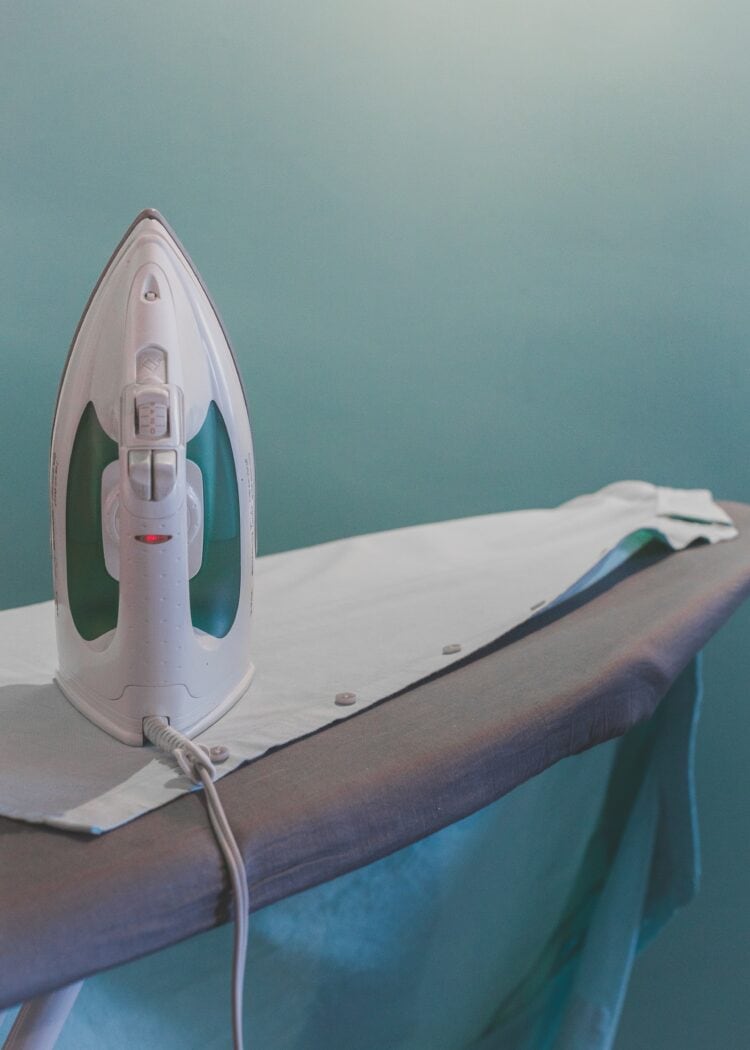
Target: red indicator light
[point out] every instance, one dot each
(153, 537)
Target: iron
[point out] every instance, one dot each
(152, 495)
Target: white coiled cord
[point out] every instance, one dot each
(195, 762)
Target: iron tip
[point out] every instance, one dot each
(150, 213)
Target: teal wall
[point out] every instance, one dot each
(473, 257)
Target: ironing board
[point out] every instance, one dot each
(584, 673)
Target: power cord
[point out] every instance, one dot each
(195, 762)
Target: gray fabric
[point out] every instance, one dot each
(366, 787)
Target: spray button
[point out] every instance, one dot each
(164, 472)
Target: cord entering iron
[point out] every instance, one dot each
(195, 761)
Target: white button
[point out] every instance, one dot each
(151, 366)
(164, 464)
(139, 472)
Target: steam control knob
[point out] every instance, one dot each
(152, 413)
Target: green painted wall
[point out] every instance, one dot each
(473, 257)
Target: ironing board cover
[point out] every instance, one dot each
(339, 800)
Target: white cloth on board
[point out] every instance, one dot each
(369, 615)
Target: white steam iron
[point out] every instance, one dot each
(153, 499)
